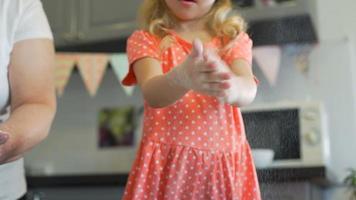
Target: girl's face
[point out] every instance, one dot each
(186, 10)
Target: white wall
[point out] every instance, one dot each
(337, 19)
(329, 80)
(72, 144)
(332, 79)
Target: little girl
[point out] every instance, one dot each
(192, 62)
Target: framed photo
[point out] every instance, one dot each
(117, 127)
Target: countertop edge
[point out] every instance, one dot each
(317, 175)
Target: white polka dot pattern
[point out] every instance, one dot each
(193, 149)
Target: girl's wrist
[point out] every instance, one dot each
(233, 94)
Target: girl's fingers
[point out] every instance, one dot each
(214, 77)
(203, 67)
(213, 65)
(198, 49)
(210, 54)
(225, 85)
(215, 88)
(210, 59)
(206, 56)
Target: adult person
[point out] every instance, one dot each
(27, 97)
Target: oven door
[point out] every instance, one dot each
(275, 129)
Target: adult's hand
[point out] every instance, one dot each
(3, 137)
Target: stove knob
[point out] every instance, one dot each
(311, 137)
(310, 116)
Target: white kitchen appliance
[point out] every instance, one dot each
(296, 131)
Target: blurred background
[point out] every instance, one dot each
(302, 125)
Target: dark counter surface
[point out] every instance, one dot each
(269, 175)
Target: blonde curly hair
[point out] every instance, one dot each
(156, 18)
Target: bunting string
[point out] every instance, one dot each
(92, 66)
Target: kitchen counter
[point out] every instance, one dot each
(316, 175)
(276, 175)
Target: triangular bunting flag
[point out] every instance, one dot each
(120, 66)
(92, 68)
(64, 64)
(268, 58)
(300, 55)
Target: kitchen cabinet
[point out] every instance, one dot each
(87, 22)
(62, 18)
(261, 9)
(106, 19)
(82, 21)
(279, 22)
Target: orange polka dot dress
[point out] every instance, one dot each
(196, 148)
